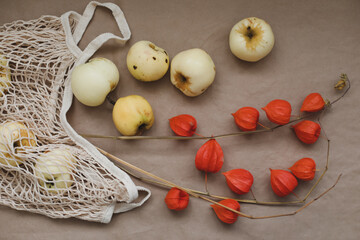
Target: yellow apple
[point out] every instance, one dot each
(14, 138)
(147, 62)
(132, 115)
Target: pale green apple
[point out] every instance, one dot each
(91, 82)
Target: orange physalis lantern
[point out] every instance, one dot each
(282, 182)
(307, 131)
(177, 199)
(313, 103)
(239, 180)
(304, 169)
(246, 118)
(224, 214)
(209, 157)
(278, 111)
(183, 125)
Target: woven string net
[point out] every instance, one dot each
(41, 169)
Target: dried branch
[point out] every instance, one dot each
(168, 183)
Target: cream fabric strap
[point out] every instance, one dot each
(72, 40)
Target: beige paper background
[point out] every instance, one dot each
(315, 42)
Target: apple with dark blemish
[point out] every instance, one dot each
(147, 62)
(192, 71)
(251, 39)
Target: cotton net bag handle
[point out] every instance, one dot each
(72, 41)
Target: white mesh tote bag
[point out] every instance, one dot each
(45, 166)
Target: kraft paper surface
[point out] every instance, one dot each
(315, 41)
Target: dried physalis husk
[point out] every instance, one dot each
(307, 131)
(313, 103)
(210, 157)
(246, 118)
(177, 199)
(282, 182)
(342, 82)
(224, 214)
(278, 111)
(304, 169)
(183, 125)
(239, 180)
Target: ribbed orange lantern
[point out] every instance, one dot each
(304, 169)
(282, 182)
(278, 111)
(183, 125)
(313, 103)
(210, 157)
(224, 214)
(307, 131)
(239, 180)
(177, 199)
(246, 118)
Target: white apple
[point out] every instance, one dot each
(54, 170)
(147, 62)
(14, 137)
(4, 74)
(91, 82)
(251, 39)
(192, 71)
(132, 115)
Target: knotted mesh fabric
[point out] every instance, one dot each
(42, 169)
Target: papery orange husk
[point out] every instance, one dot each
(282, 182)
(278, 111)
(177, 199)
(246, 118)
(210, 157)
(304, 169)
(239, 180)
(307, 131)
(183, 125)
(225, 215)
(313, 103)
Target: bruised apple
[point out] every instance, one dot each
(251, 39)
(192, 71)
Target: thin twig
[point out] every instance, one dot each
(266, 129)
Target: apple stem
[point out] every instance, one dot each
(110, 100)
